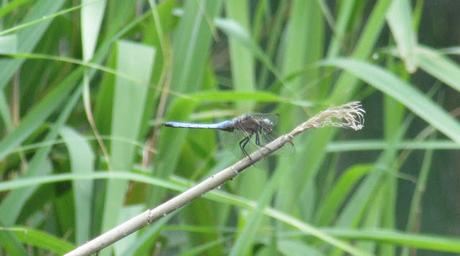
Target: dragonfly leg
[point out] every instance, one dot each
(243, 144)
(257, 139)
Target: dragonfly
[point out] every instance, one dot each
(255, 125)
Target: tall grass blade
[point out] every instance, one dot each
(128, 105)
(402, 92)
(28, 38)
(82, 161)
(400, 19)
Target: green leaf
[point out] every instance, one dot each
(191, 45)
(403, 92)
(11, 6)
(239, 34)
(82, 161)
(13, 203)
(10, 243)
(415, 240)
(399, 18)
(193, 38)
(368, 145)
(340, 192)
(5, 113)
(92, 13)
(38, 114)
(217, 196)
(419, 241)
(241, 58)
(42, 240)
(235, 96)
(439, 66)
(29, 37)
(8, 44)
(297, 248)
(136, 60)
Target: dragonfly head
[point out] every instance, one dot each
(267, 125)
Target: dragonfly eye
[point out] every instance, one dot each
(268, 122)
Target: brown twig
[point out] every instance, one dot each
(350, 115)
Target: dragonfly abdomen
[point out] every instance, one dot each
(225, 125)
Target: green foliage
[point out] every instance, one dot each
(84, 89)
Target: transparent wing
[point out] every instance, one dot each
(247, 142)
(267, 137)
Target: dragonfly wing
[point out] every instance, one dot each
(272, 117)
(249, 135)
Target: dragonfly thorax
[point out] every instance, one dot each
(253, 124)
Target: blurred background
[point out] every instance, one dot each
(85, 86)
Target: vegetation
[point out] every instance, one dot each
(85, 87)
